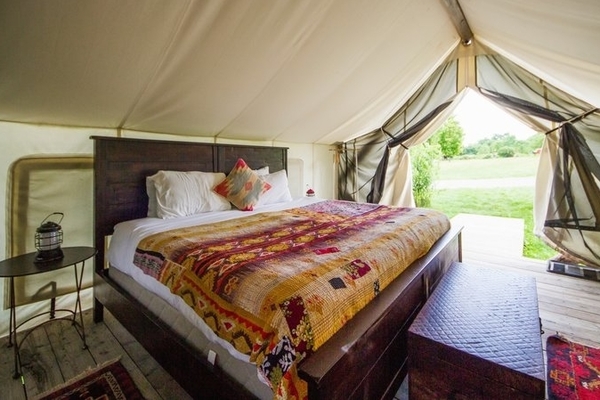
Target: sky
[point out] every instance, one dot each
(480, 119)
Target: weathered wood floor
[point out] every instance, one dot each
(53, 353)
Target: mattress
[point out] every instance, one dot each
(242, 371)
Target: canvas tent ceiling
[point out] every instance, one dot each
(259, 70)
(318, 71)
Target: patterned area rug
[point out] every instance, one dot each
(573, 370)
(107, 382)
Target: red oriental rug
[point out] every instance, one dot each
(573, 370)
(107, 382)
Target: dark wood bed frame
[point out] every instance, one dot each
(366, 359)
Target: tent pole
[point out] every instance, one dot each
(459, 20)
(574, 119)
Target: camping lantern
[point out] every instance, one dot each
(48, 238)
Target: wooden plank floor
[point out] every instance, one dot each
(486, 235)
(52, 354)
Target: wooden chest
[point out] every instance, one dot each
(478, 337)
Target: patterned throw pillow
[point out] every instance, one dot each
(242, 187)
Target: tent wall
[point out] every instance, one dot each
(552, 39)
(377, 164)
(24, 140)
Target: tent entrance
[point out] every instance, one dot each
(376, 167)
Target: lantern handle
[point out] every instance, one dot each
(62, 215)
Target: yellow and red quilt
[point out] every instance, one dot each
(277, 285)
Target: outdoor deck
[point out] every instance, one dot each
(52, 354)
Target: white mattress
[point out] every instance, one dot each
(243, 372)
(128, 234)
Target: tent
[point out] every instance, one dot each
(377, 165)
(314, 75)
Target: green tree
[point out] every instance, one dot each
(505, 140)
(506, 152)
(499, 144)
(425, 167)
(533, 143)
(450, 138)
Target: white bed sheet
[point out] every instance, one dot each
(128, 234)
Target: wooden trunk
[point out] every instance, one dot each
(478, 337)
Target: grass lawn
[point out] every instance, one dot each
(491, 168)
(513, 202)
(499, 202)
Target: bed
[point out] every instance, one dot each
(366, 358)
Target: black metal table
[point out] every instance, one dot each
(26, 265)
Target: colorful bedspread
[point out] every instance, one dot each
(277, 285)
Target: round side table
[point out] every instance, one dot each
(26, 264)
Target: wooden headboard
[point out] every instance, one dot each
(121, 166)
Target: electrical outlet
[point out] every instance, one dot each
(212, 357)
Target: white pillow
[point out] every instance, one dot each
(179, 194)
(262, 171)
(279, 192)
